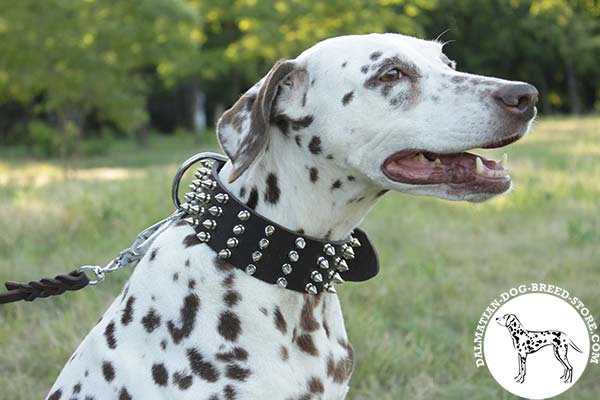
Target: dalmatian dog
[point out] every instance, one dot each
(312, 146)
(528, 342)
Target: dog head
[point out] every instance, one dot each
(389, 108)
(508, 320)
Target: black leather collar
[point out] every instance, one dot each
(266, 250)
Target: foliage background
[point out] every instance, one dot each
(100, 69)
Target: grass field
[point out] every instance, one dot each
(411, 327)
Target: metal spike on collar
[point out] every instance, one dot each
(203, 197)
(192, 221)
(244, 215)
(322, 262)
(208, 184)
(232, 242)
(311, 288)
(329, 249)
(316, 276)
(207, 162)
(216, 211)
(347, 252)
(269, 230)
(329, 288)
(190, 196)
(203, 236)
(263, 243)
(192, 208)
(336, 278)
(282, 282)
(300, 243)
(224, 253)
(256, 256)
(202, 171)
(293, 256)
(341, 264)
(286, 268)
(354, 242)
(222, 198)
(250, 269)
(209, 223)
(238, 229)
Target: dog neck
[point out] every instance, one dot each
(304, 192)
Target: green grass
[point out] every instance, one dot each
(411, 327)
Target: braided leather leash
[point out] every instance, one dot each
(45, 287)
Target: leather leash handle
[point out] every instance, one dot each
(45, 287)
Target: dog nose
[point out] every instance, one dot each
(518, 98)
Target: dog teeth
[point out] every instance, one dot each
(479, 167)
(421, 157)
(437, 161)
(504, 161)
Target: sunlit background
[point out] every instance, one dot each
(100, 100)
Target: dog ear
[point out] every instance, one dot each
(243, 129)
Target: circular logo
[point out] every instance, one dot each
(536, 345)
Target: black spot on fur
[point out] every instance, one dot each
(381, 193)
(153, 254)
(127, 316)
(77, 388)
(315, 145)
(187, 313)
(298, 140)
(151, 321)
(253, 199)
(306, 344)
(229, 326)
(236, 354)
(202, 368)
(303, 122)
(264, 311)
(329, 156)
(223, 265)
(283, 123)
(344, 64)
(242, 191)
(229, 392)
(124, 394)
(364, 69)
(191, 240)
(237, 373)
(187, 263)
(280, 322)
(336, 185)
(300, 231)
(109, 335)
(375, 55)
(231, 298)
(228, 281)
(314, 174)
(108, 371)
(351, 178)
(163, 344)
(272, 193)
(192, 284)
(182, 380)
(160, 374)
(56, 395)
(175, 276)
(347, 98)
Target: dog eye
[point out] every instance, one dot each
(391, 75)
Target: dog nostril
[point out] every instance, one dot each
(519, 98)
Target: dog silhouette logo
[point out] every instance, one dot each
(536, 345)
(528, 342)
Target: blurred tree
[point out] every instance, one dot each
(74, 58)
(244, 37)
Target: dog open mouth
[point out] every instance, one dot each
(463, 171)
